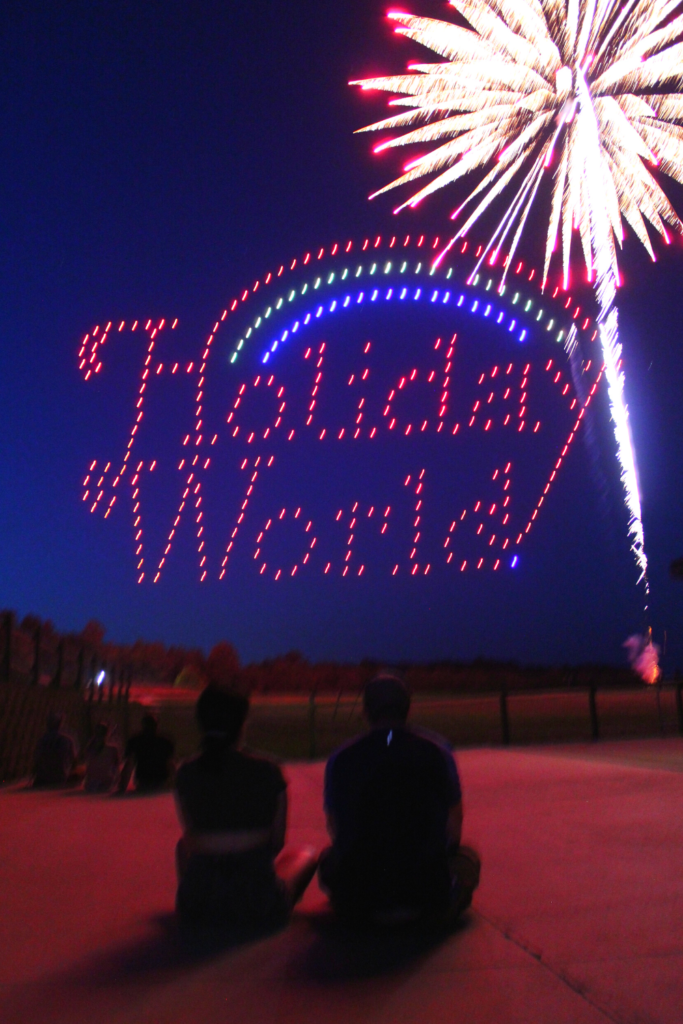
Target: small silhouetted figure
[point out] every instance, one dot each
(102, 760)
(232, 868)
(55, 755)
(150, 755)
(394, 814)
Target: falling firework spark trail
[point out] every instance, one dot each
(591, 87)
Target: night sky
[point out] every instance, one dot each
(156, 160)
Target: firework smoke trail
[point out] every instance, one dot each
(597, 81)
(643, 656)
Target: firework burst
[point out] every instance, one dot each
(584, 90)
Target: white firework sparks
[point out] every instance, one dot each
(587, 88)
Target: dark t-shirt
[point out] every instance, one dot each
(389, 794)
(152, 755)
(231, 791)
(54, 758)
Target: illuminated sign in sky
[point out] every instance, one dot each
(355, 412)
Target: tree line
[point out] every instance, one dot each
(32, 650)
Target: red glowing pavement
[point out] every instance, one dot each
(579, 917)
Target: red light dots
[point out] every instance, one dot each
(100, 490)
(309, 541)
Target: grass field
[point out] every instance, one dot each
(293, 728)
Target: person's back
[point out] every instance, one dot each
(151, 755)
(55, 755)
(232, 868)
(223, 789)
(391, 794)
(394, 810)
(101, 761)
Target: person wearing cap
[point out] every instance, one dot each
(232, 865)
(394, 813)
(151, 756)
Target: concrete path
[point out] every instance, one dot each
(579, 917)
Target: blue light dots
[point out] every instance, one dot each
(482, 309)
(387, 268)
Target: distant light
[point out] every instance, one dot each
(514, 561)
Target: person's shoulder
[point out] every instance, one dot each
(355, 756)
(431, 747)
(188, 768)
(349, 750)
(437, 750)
(434, 738)
(258, 764)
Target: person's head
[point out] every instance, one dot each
(149, 722)
(101, 731)
(386, 699)
(222, 713)
(54, 721)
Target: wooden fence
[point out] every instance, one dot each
(42, 672)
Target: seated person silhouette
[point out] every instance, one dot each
(55, 755)
(102, 760)
(150, 755)
(394, 812)
(232, 868)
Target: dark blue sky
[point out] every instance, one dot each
(157, 159)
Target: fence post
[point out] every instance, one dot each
(592, 704)
(126, 679)
(78, 684)
(7, 654)
(311, 725)
(57, 677)
(37, 639)
(504, 717)
(336, 704)
(91, 679)
(679, 705)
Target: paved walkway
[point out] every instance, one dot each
(579, 917)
